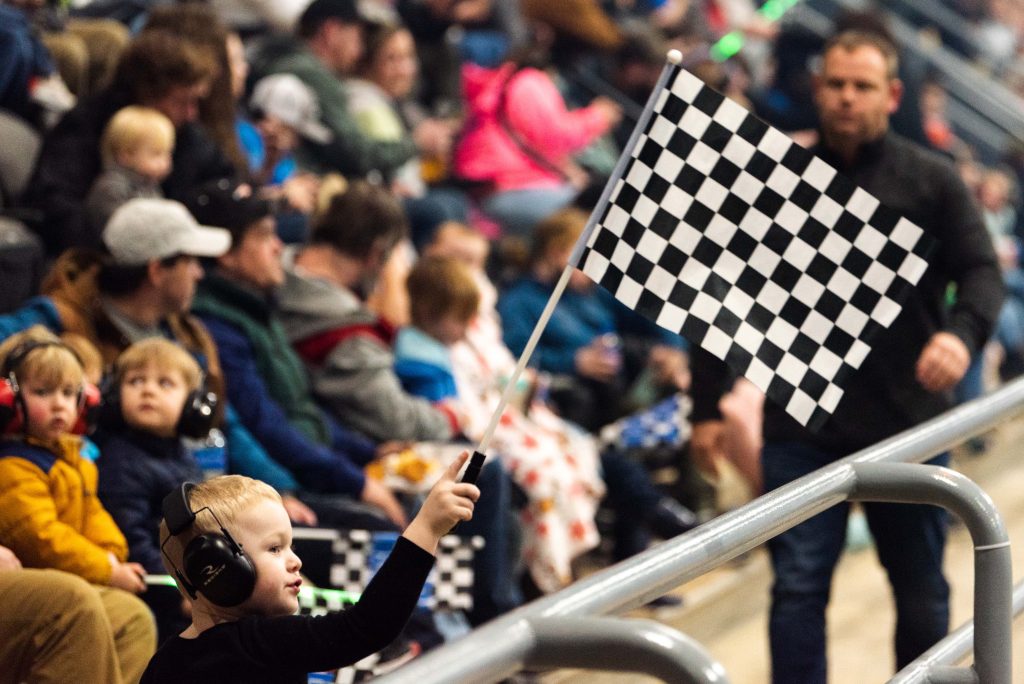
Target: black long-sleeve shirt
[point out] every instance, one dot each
(284, 649)
(883, 397)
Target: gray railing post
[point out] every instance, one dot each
(993, 571)
(622, 645)
(929, 667)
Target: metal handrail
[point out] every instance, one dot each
(944, 19)
(950, 650)
(497, 650)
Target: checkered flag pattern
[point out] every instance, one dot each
(358, 554)
(667, 423)
(723, 229)
(452, 576)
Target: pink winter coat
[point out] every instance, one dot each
(534, 108)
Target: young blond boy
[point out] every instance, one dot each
(259, 639)
(143, 456)
(50, 516)
(443, 300)
(136, 150)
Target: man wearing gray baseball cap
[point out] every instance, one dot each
(142, 288)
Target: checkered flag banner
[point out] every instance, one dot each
(720, 228)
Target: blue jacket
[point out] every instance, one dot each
(424, 365)
(317, 467)
(577, 320)
(22, 58)
(36, 311)
(137, 470)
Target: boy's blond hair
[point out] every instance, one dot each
(227, 496)
(162, 354)
(130, 128)
(441, 286)
(51, 364)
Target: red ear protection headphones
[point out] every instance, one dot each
(12, 404)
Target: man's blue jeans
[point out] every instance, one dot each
(909, 540)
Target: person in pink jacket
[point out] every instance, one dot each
(519, 140)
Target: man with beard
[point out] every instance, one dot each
(905, 380)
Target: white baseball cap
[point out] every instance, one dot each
(286, 97)
(143, 229)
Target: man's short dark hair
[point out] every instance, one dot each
(117, 280)
(320, 11)
(852, 39)
(360, 218)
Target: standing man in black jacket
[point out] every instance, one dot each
(905, 380)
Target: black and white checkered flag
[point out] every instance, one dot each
(721, 228)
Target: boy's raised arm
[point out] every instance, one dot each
(448, 502)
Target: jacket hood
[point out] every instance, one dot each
(482, 87)
(308, 305)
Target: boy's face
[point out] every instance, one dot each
(152, 399)
(265, 532)
(153, 162)
(52, 409)
(448, 329)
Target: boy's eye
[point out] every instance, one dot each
(276, 548)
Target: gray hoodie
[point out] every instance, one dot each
(348, 353)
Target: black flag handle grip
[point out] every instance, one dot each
(476, 463)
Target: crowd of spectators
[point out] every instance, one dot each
(350, 216)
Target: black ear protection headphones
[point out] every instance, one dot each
(13, 411)
(197, 416)
(213, 564)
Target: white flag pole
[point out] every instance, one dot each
(673, 59)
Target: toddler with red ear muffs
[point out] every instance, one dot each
(50, 515)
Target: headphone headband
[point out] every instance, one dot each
(12, 362)
(177, 512)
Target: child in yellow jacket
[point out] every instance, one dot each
(49, 513)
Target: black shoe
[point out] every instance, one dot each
(670, 518)
(666, 601)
